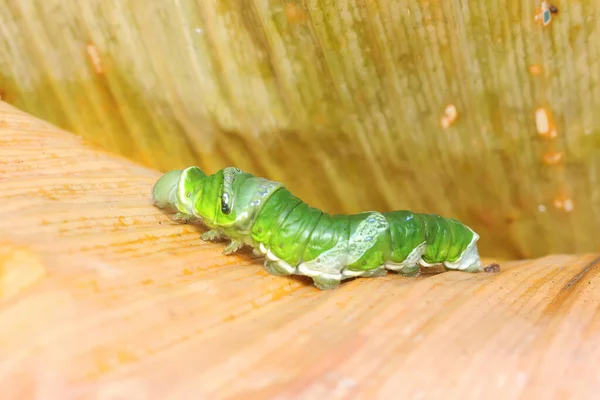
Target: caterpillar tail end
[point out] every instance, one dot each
(469, 261)
(164, 190)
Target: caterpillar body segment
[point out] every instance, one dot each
(296, 238)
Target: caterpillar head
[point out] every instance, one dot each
(230, 198)
(176, 190)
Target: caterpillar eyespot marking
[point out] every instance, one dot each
(225, 209)
(297, 239)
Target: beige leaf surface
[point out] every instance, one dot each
(102, 296)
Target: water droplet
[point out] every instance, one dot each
(94, 56)
(451, 111)
(553, 157)
(542, 121)
(565, 203)
(568, 205)
(535, 69)
(449, 117)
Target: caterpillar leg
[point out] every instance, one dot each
(212, 235)
(410, 271)
(375, 273)
(326, 275)
(257, 253)
(232, 247)
(183, 217)
(409, 267)
(278, 268)
(327, 281)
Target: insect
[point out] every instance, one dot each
(296, 238)
(547, 10)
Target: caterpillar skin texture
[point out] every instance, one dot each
(298, 239)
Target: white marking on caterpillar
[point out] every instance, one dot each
(330, 261)
(242, 215)
(336, 277)
(411, 260)
(348, 273)
(286, 267)
(305, 270)
(334, 261)
(362, 240)
(272, 256)
(468, 259)
(262, 248)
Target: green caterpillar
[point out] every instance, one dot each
(302, 240)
